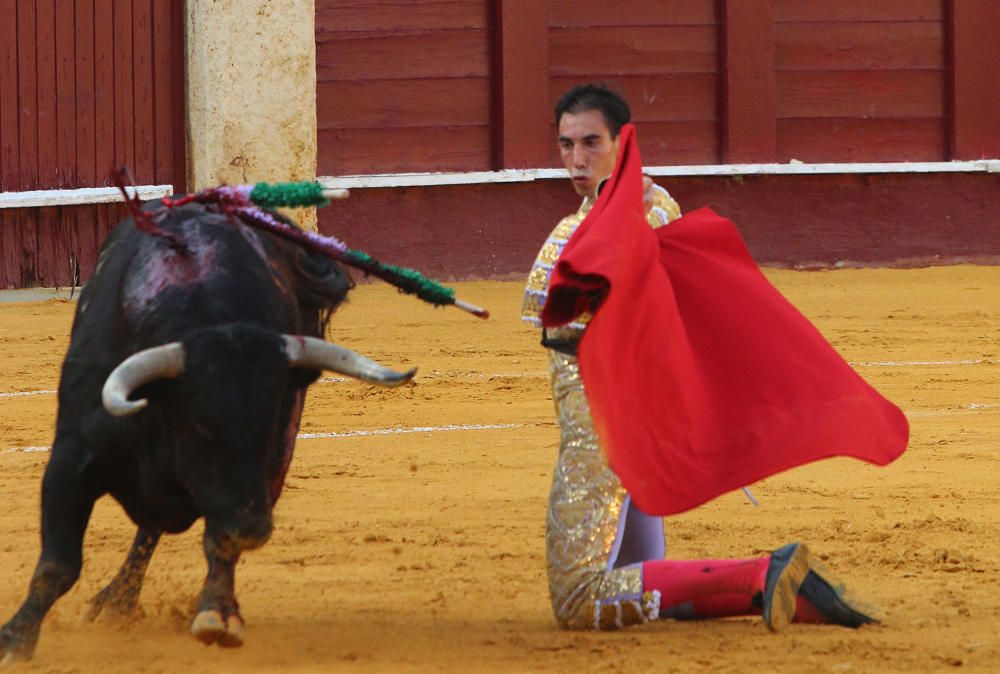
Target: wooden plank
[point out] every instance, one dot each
(178, 86)
(86, 120)
(124, 85)
(45, 55)
(27, 94)
(163, 99)
(71, 254)
(87, 241)
(672, 97)
(609, 51)
(435, 148)
(392, 15)
(859, 93)
(858, 10)
(142, 65)
(573, 13)
(27, 229)
(403, 103)
(9, 101)
(104, 90)
(66, 115)
(10, 252)
(47, 234)
(522, 83)
(749, 89)
(861, 140)
(79, 195)
(168, 95)
(107, 218)
(64, 225)
(367, 56)
(859, 46)
(975, 82)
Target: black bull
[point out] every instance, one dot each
(226, 319)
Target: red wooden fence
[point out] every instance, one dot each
(711, 81)
(85, 86)
(408, 85)
(404, 86)
(861, 81)
(664, 57)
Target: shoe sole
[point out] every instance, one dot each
(869, 612)
(786, 590)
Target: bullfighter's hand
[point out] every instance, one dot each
(647, 193)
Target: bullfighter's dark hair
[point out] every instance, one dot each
(595, 96)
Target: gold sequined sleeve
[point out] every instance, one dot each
(664, 208)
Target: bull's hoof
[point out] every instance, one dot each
(11, 657)
(14, 648)
(210, 627)
(114, 604)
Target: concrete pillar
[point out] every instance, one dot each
(251, 73)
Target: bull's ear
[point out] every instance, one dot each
(142, 367)
(318, 354)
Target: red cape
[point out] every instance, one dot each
(701, 377)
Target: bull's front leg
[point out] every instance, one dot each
(218, 620)
(121, 596)
(67, 501)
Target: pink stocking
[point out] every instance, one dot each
(705, 588)
(697, 589)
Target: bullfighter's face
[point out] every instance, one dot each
(587, 149)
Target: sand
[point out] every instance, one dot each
(413, 539)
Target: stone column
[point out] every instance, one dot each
(251, 74)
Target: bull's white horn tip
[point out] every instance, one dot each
(123, 408)
(400, 378)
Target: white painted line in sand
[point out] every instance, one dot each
(969, 408)
(530, 375)
(355, 434)
(414, 429)
(922, 363)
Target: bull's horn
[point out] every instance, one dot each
(322, 355)
(142, 367)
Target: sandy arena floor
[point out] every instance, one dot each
(410, 537)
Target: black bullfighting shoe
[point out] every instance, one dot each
(788, 568)
(830, 597)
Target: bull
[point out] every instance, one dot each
(216, 330)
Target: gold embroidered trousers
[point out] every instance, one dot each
(586, 522)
